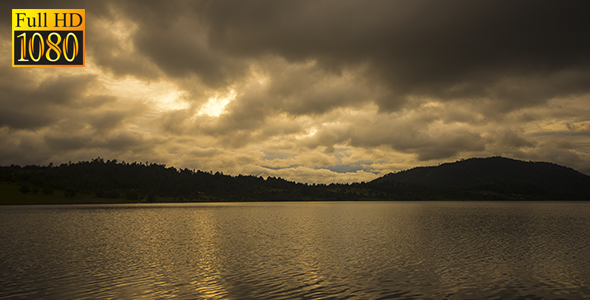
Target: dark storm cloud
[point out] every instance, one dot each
(455, 49)
(26, 105)
(515, 53)
(170, 35)
(110, 52)
(443, 49)
(328, 83)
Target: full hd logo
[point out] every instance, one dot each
(48, 37)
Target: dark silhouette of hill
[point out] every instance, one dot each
(494, 178)
(156, 182)
(497, 173)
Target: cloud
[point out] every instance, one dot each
(111, 47)
(447, 50)
(28, 104)
(312, 91)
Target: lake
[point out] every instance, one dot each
(310, 250)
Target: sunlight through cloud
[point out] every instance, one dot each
(216, 106)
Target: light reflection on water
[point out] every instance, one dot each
(343, 250)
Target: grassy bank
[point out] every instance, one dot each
(10, 195)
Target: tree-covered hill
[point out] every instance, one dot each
(98, 180)
(156, 182)
(496, 173)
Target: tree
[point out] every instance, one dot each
(70, 192)
(47, 191)
(151, 198)
(24, 189)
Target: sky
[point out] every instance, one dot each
(309, 91)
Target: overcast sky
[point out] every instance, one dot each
(311, 91)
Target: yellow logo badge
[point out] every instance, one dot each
(48, 37)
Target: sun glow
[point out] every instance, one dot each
(216, 106)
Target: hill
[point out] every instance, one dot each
(496, 173)
(112, 181)
(100, 181)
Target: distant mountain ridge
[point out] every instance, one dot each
(480, 172)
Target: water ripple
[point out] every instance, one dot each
(393, 250)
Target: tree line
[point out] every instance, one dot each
(152, 182)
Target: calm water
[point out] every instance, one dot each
(377, 250)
